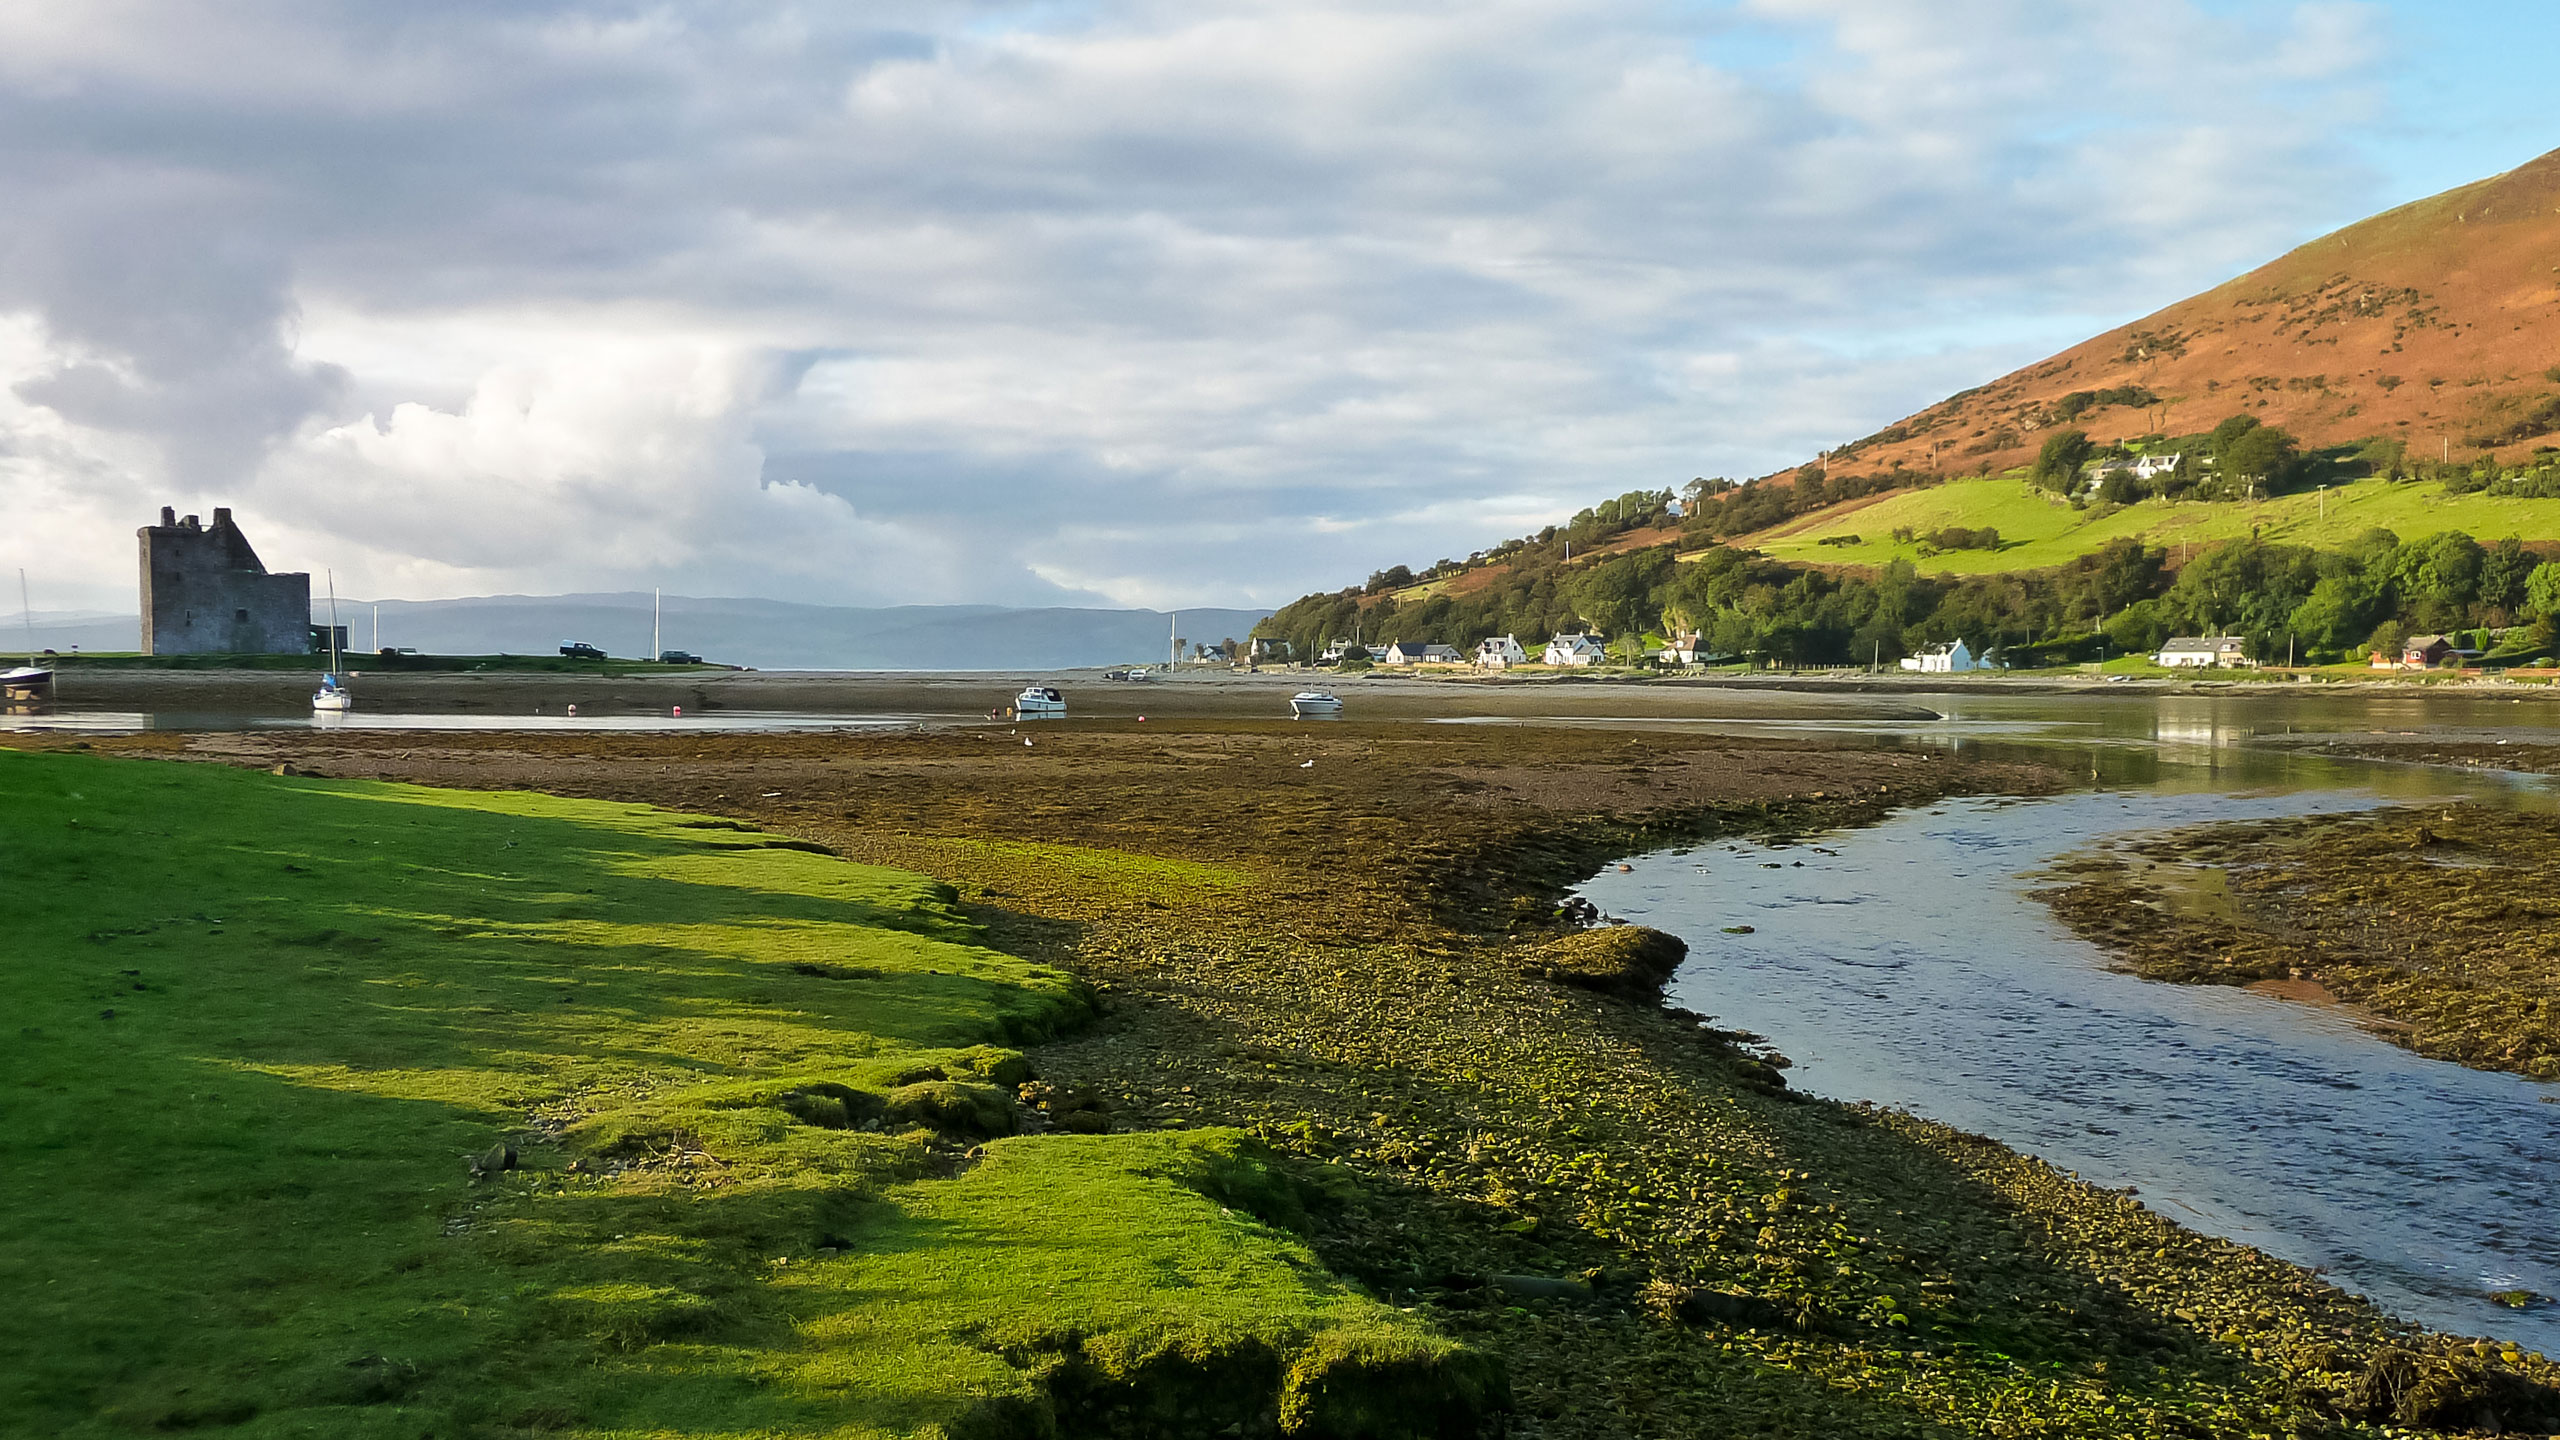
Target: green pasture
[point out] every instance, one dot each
(2038, 529)
(259, 1028)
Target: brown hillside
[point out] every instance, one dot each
(2437, 323)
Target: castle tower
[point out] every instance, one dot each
(204, 592)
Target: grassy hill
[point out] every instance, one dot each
(2039, 529)
(2436, 324)
(358, 1109)
(2410, 361)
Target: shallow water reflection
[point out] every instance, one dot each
(1908, 964)
(127, 722)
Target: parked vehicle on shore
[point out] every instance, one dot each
(580, 650)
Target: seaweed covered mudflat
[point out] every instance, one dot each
(2441, 920)
(1344, 943)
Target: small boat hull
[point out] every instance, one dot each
(1040, 702)
(1315, 705)
(27, 682)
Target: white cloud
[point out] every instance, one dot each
(1201, 303)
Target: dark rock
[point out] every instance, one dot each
(1630, 960)
(499, 1157)
(1699, 1306)
(831, 1106)
(1540, 1287)
(1074, 1109)
(954, 1107)
(2451, 1392)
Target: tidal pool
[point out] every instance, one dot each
(1909, 964)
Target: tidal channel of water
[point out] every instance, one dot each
(1909, 964)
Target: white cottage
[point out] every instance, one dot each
(1500, 652)
(1416, 652)
(2140, 467)
(1574, 650)
(1950, 658)
(2202, 652)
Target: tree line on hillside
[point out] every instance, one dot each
(2125, 598)
(1535, 585)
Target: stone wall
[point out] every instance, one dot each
(205, 592)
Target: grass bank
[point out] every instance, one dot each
(365, 1109)
(1342, 939)
(2039, 529)
(2439, 920)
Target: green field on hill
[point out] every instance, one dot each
(266, 1032)
(2038, 529)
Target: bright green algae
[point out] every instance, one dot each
(260, 1027)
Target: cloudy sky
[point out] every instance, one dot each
(1145, 303)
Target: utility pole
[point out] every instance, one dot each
(1173, 645)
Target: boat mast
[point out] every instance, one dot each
(654, 651)
(26, 612)
(1173, 641)
(333, 622)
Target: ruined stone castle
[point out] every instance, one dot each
(204, 592)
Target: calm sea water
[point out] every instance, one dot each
(1908, 963)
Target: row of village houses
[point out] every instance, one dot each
(2211, 652)
(1501, 652)
(2223, 652)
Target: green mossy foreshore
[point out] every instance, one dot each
(1480, 1138)
(355, 1109)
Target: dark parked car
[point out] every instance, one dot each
(678, 657)
(581, 650)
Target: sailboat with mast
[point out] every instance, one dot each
(31, 681)
(332, 698)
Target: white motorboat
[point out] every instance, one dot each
(332, 698)
(1315, 704)
(1040, 702)
(1140, 674)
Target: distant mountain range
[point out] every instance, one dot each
(764, 634)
